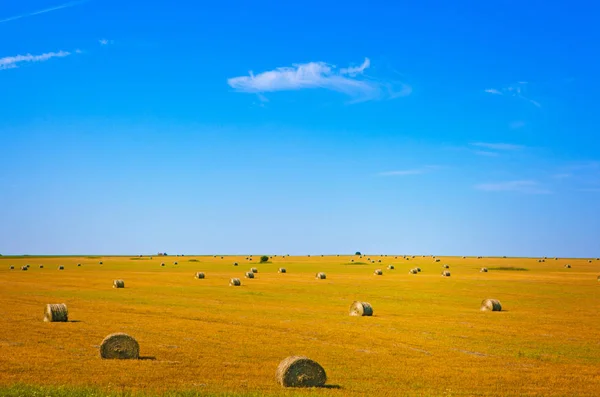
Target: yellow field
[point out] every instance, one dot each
(427, 335)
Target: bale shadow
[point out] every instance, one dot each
(150, 358)
(74, 321)
(330, 387)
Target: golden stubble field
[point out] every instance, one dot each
(427, 336)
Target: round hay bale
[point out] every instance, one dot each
(56, 312)
(352, 260)
(437, 260)
(175, 263)
(445, 273)
(235, 282)
(590, 261)
(446, 267)
(568, 266)
(361, 309)
(413, 271)
(249, 275)
(61, 267)
(100, 262)
(391, 267)
(379, 261)
(464, 257)
(79, 265)
(162, 264)
(199, 275)
(297, 371)
(235, 263)
(282, 270)
(418, 269)
(24, 268)
(492, 305)
(12, 268)
(118, 284)
(119, 346)
(378, 272)
(321, 276)
(254, 270)
(372, 261)
(484, 270)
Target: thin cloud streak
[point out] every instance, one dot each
(45, 10)
(524, 186)
(349, 81)
(514, 90)
(498, 146)
(14, 61)
(414, 171)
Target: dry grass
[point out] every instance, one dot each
(215, 339)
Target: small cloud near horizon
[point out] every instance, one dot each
(498, 146)
(521, 186)
(350, 81)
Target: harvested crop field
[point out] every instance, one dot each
(427, 335)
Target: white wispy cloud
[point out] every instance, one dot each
(45, 10)
(523, 186)
(350, 81)
(498, 146)
(516, 90)
(13, 62)
(562, 175)
(105, 42)
(485, 153)
(414, 171)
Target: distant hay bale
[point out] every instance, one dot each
(282, 270)
(378, 272)
(484, 270)
(235, 263)
(373, 261)
(464, 257)
(407, 259)
(175, 263)
(199, 275)
(446, 267)
(590, 261)
(12, 268)
(361, 309)
(118, 284)
(100, 262)
(418, 269)
(379, 261)
(445, 273)
(61, 267)
(235, 282)
(24, 268)
(321, 276)
(79, 265)
(249, 275)
(119, 346)
(492, 305)
(413, 271)
(297, 371)
(568, 266)
(437, 260)
(254, 270)
(56, 312)
(352, 260)
(391, 267)
(162, 264)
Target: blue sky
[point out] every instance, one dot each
(463, 128)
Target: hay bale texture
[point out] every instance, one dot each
(446, 267)
(418, 269)
(56, 312)
(254, 270)
(492, 305)
(24, 268)
(12, 268)
(378, 272)
(445, 273)
(118, 284)
(119, 346)
(162, 264)
(235, 282)
(321, 276)
(41, 266)
(484, 270)
(361, 309)
(412, 271)
(282, 270)
(249, 275)
(199, 275)
(297, 371)
(391, 267)
(61, 267)
(567, 266)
